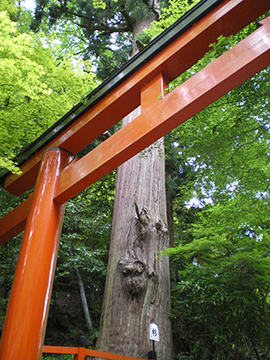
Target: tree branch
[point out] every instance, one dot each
(79, 15)
(254, 348)
(130, 22)
(152, 7)
(105, 29)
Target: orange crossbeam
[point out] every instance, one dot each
(87, 352)
(14, 222)
(60, 350)
(59, 180)
(110, 356)
(223, 74)
(230, 17)
(226, 72)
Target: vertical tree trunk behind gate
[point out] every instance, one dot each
(137, 290)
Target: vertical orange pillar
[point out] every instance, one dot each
(26, 317)
(81, 354)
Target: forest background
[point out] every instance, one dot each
(217, 178)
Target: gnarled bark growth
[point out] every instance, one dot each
(137, 288)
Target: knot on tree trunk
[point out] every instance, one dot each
(137, 264)
(134, 274)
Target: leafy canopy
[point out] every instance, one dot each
(36, 88)
(101, 30)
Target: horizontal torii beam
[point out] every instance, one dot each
(228, 18)
(223, 74)
(14, 222)
(215, 80)
(86, 352)
(61, 176)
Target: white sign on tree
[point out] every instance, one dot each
(154, 333)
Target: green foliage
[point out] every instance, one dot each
(97, 29)
(221, 297)
(229, 153)
(10, 7)
(9, 253)
(36, 89)
(220, 316)
(218, 161)
(169, 15)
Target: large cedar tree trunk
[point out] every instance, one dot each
(137, 290)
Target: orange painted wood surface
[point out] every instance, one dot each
(226, 72)
(26, 317)
(87, 352)
(14, 222)
(230, 17)
(59, 349)
(105, 355)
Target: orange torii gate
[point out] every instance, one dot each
(58, 175)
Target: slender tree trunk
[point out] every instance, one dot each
(137, 290)
(84, 301)
(169, 200)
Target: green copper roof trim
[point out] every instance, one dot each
(155, 46)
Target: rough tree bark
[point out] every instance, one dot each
(137, 290)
